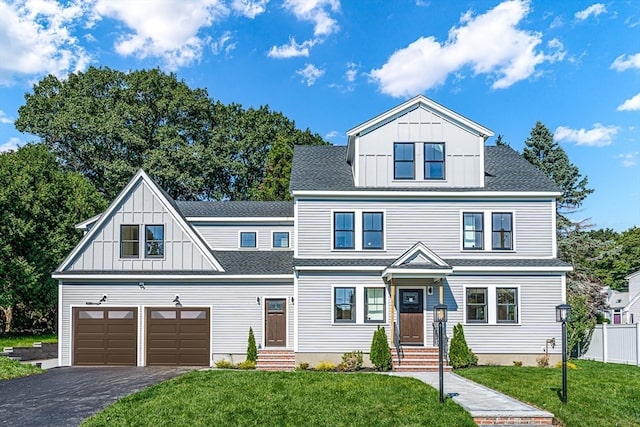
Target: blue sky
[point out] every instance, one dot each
(330, 65)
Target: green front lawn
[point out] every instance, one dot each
(242, 398)
(26, 340)
(12, 369)
(599, 394)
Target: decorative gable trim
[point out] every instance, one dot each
(140, 176)
(419, 261)
(416, 102)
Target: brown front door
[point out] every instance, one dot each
(411, 316)
(275, 320)
(105, 336)
(178, 336)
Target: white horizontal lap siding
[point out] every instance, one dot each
(537, 298)
(316, 330)
(141, 208)
(227, 236)
(435, 223)
(233, 308)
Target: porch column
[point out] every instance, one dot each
(441, 291)
(393, 311)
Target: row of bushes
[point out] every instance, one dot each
(460, 355)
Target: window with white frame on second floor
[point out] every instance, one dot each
(343, 230)
(154, 241)
(248, 239)
(280, 239)
(473, 231)
(501, 231)
(403, 160)
(433, 160)
(372, 233)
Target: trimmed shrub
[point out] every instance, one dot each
(325, 366)
(252, 350)
(517, 363)
(247, 364)
(303, 366)
(570, 365)
(225, 364)
(380, 354)
(460, 355)
(351, 361)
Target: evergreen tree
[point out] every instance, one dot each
(252, 350)
(547, 155)
(500, 142)
(380, 353)
(460, 355)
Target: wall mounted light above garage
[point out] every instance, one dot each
(176, 301)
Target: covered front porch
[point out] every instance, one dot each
(416, 283)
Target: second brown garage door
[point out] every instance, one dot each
(178, 336)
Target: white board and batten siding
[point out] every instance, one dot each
(227, 236)
(234, 309)
(436, 223)
(141, 208)
(463, 151)
(537, 297)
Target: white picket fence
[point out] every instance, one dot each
(615, 344)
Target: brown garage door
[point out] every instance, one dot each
(178, 336)
(105, 336)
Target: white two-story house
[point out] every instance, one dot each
(415, 211)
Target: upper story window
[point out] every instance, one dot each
(129, 241)
(344, 305)
(434, 160)
(248, 239)
(501, 231)
(280, 239)
(473, 230)
(476, 305)
(343, 230)
(403, 160)
(507, 305)
(372, 233)
(154, 241)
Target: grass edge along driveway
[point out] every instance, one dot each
(12, 369)
(599, 394)
(239, 398)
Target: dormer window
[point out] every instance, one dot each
(434, 160)
(403, 160)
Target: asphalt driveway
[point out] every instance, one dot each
(63, 397)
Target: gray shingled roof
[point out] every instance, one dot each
(256, 262)
(229, 209)
(454, 262)
(324, 168)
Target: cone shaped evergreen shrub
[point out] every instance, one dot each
(460, 355)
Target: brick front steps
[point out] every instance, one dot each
(276, 360)
(417, 359)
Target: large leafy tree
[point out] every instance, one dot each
(106, 124)
(40, 203)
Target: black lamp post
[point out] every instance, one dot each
(562, 315)
(440, 316)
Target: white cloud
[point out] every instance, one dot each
(332, 134)
(310, 73)
(163, 28)
(316, 11)
(631, 104)
(423, 3)
(36, 39)
(556, 23)
(352, 72)
(625, 62)
(490, 44)
(4, 119)
(292, 49)
(249, 8)
(629, 159)
(599, 136)
(593, 10)
(11, 145)
(222, 44)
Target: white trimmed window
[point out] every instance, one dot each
(492, 305)
(473, 231)
(129, 241)
(154, 241)
(477, 305)
(280, 239)
(487, 231)
(248, 239)
(507, 305)
(374, 305)
(344, 305)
